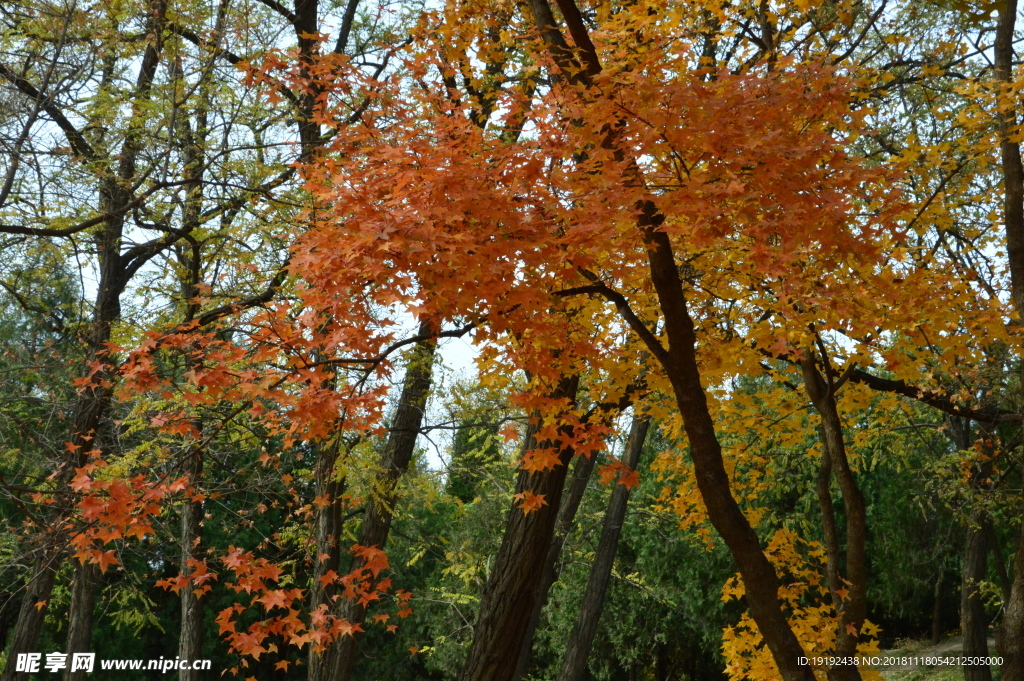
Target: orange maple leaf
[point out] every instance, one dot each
(530, 502)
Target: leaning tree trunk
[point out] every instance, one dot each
(577, 650)
(513, 587)
(397, 455)
(1013, 218)
(679, 361)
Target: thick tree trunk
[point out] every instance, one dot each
(973, 622)
(32, 613)
(84, 587)
(513, 587)
(575, 490)
(853, 608)
(397, 455)
(1013, 218)
(1013, 619)
(574, 662)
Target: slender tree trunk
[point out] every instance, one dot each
(581, 473)
(513, 587)
(190, 638)
(973, 622)
(397, 455)
(940, 584)
(853, 608)
(93, 401)
(577, 651)
(1013, 218)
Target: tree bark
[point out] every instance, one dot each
(328, 550)
(940, 584)
(679, 360)
(581, 473)
(32, 613)
(1013, 618)
(190, 637)
(394, 462)
(973, 622)
(513, 587)
(577, 651)
(80, 616)
(1013, 219)
(853, 608)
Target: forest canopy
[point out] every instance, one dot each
(511, 341)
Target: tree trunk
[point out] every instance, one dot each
(397, 455)
(1013, 618)
(680, 363)
(93, 400)
(1013, 218)
(581, 473)
(940, 584)
(577, 651)
(827, 509)
(190, 638)
(974, 623)
(80, 616)
(853, 608)
(328, 551)
(513, 587)
(32, 613)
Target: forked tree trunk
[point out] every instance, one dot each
(577, 486)
(93, 402)
(852, 608)
(577, 650)
(394, 462)
(513, 587)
